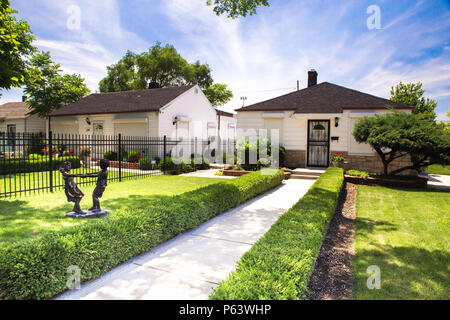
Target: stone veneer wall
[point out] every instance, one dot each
(373, 164)
(368, 163)
(295, 158)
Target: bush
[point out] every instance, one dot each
(146, 164)
(35, 164)
(247, 148)
(37, 268)
(133, 157)
(357, 173)
(279, 265)
(110, 155)
(200, 164)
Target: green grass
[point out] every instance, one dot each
(27, 217)
(38, 180)
(438, 169)
(143, 215)
(279, 265)
(407, 234)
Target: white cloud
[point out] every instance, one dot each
(271, 50)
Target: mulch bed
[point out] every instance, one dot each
(235, 173)
(333, 275)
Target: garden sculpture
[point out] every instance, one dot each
(74, 194)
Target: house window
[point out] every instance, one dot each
(11, 129)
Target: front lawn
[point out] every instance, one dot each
(406, 233)
(438, 169)
(144, 213)
(27, 217)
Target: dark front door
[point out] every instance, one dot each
(318, 143)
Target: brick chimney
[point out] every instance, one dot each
(312, 78)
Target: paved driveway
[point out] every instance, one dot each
(191, 265)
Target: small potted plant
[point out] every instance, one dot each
(338, 160)
(85, 155)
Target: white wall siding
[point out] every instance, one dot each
(194, 107)
(294, 128)
(295, 132)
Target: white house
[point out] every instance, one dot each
(174, 112)
(316, 122)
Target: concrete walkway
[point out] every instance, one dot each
(439, 182)
(210, 173)
(191, 265)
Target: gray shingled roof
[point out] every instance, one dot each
(123, 102)
(324, 98)
(14, 110)
(224, 113)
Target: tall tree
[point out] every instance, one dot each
(121, 76)
(236, 8)
(16, 39)
(218, 94)
(48, 89)
(165, 66)
(412, 94)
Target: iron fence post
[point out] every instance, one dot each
(164, 154)
(195, 153)
(50, 159)
(120, 156)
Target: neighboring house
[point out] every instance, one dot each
(175, 112)
(15, 118)
(317, 122)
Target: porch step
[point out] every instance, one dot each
(303, 177)
(308, 172)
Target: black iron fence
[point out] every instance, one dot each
(29, 162)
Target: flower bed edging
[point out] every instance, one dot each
(386, 182)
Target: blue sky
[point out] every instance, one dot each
(262, 56)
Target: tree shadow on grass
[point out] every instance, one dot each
(367, 225)
(406, 273)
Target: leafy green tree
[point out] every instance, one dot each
(412, 95)
(48, 89)
(121, 76)
(165, 66)
(218, 94)
(398, 134)
(16, 39)
(236, 8)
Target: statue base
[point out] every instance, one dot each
(87, 214)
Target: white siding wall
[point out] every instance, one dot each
(192, 104)
(30, 124)
(227, 132)
(78, 124)
(19, 123)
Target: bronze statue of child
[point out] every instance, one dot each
(102, 182)
(73, 193)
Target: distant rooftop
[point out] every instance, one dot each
(123, 101)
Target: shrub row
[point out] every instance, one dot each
(279, 265)
(25, 165)
(37, 268)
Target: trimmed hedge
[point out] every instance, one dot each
(13, 166)
(36, 269)
(279, 265)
